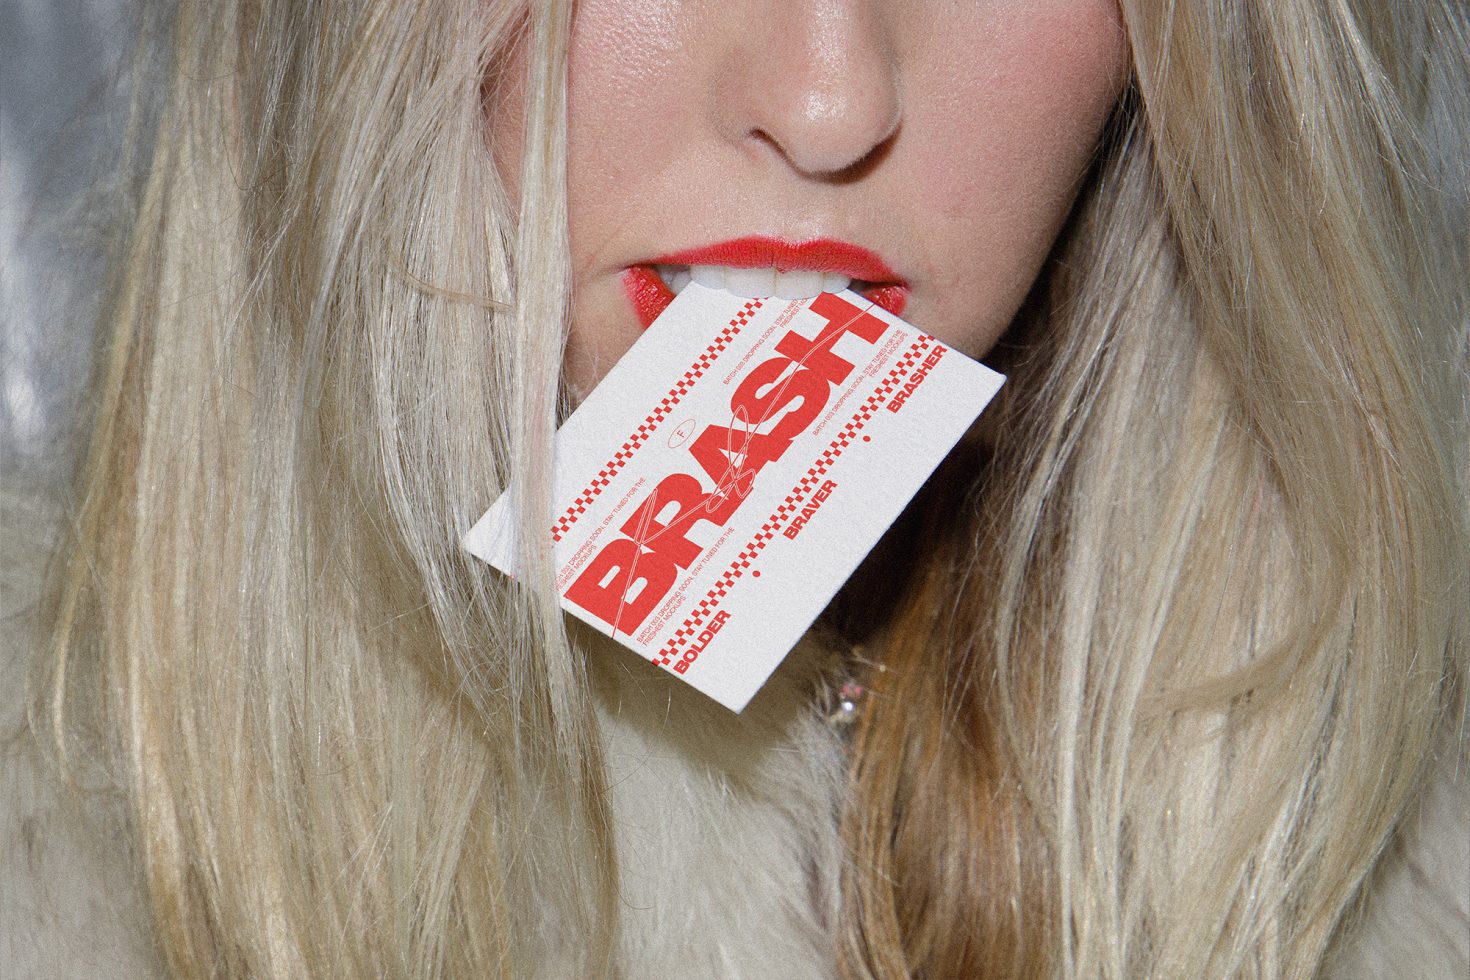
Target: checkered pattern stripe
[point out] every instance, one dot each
(814, 474)
(645, 428)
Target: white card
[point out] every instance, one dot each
(734, 467)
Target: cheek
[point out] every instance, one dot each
(628, 89)
(622, 81)
(1019, 107)
(1014, 119)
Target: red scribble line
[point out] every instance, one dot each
(722, 489)
(650, 422)
(814, 472)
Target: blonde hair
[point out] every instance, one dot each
(1186, 698)
(1172, 714)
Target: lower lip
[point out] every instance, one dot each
(650, 295)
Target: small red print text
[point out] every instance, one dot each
(772, 405)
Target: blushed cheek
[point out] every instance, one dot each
(1025, 111)
(1016, 119)
(625, 67)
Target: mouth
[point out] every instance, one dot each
(759, 267)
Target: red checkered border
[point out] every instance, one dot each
(818, 469)
(651, 422)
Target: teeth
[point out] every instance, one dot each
(676, 277)
(712, 276)
(798, 284)
(754, 283)
(751, 282)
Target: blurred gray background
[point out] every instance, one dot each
(62, 102)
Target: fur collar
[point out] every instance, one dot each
(725, 827)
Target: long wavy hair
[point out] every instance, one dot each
(1151, 706)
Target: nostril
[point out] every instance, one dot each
(825, 94)
(839, 170)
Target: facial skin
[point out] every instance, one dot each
(947, 136)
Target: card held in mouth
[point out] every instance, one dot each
(724, 480)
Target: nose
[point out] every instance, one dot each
(815, 80)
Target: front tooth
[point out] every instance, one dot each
(712, 276)
(798, 284)
(751, 283)
(834, 282)
(678, 279)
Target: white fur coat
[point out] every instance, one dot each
(742, 888)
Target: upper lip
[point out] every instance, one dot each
(816, 254)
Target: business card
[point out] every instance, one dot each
(730, 472)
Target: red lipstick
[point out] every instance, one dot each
(651, 296)
(819, 254)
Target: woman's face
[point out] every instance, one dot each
(927, 150)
